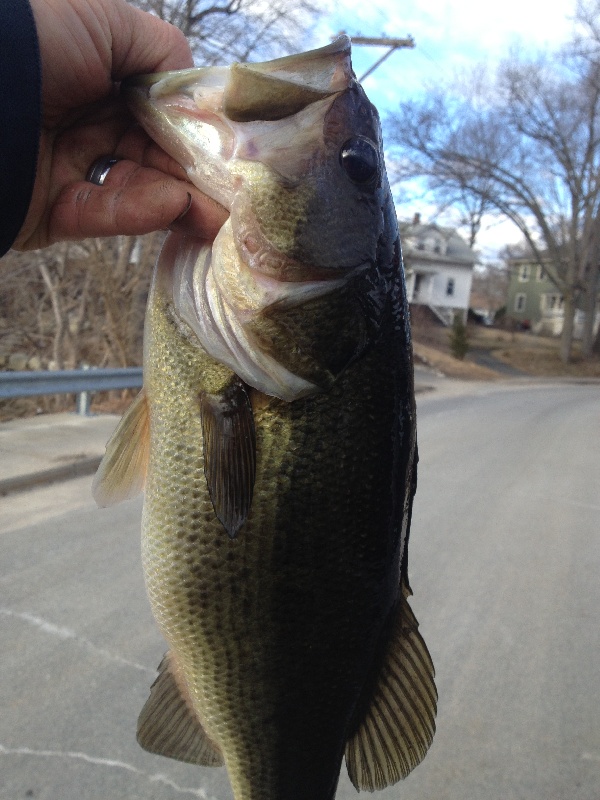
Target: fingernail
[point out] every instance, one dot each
(186, 209)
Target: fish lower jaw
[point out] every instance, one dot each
(263, 257)
(273, 264)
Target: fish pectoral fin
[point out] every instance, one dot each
(122, 471)
(168, 725)
(229, 453)
(398, 727)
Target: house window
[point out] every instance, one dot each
(450, 287)
(520, 300)
(552, 302)
(524, 271)
(540, 275)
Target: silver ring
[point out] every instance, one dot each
(100, 168)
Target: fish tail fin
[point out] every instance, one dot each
(168, 724)
(398, 727)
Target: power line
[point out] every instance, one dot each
(381, 41)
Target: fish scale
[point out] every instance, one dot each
(203, 570)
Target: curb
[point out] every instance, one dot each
(76, 469)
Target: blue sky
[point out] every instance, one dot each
(450, 36)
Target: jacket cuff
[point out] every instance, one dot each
(20, 115)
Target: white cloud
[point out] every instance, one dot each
(449, 35)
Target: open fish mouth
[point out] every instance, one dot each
(195, 114)
(233, 127)
(269, 90)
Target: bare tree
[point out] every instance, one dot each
(77, 302)
(527, 145)
(490, 282)
(221, 31)
(586, 47)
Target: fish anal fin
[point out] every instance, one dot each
(122, 471)
(168, 725)
(229, 453)
(398, 728)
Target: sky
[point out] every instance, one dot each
(450, 36)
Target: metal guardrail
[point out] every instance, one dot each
(69, 381)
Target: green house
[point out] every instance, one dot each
(534, 302)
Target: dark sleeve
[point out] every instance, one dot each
(20, 115)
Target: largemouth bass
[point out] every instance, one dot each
(276, 440)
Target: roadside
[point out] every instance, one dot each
(487, 358)
(496, 354)
(51, 447)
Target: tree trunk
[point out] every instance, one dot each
(59, 321)
(596, 345)
(588, 344)
(566, 339)
(587, 341)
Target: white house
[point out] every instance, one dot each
(439, 268)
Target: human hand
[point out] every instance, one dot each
(87, 47)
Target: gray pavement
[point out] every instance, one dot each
(51, 447)
(504, 559)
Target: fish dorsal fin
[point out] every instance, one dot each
(122, 472)
(229, 453)
(398, 727)
(168, 724)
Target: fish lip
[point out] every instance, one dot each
(275, 265)
(155, 85)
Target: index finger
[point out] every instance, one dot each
(133, 200)
(143, 43)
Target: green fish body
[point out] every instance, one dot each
(275, 438)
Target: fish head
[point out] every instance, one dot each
(208, 118)
(293, 149)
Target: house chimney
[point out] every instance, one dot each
(416, 219)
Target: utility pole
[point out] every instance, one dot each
(393, 44)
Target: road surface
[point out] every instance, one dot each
(504, 563)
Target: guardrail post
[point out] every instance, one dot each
(83, 399)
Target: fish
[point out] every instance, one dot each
(275, 439)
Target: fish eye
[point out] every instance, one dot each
(360, 159)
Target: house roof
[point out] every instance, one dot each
(434, 243)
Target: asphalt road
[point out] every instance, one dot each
(504, 562)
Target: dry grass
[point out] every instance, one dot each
(444, 362)
(533, 355)
(536, 355)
